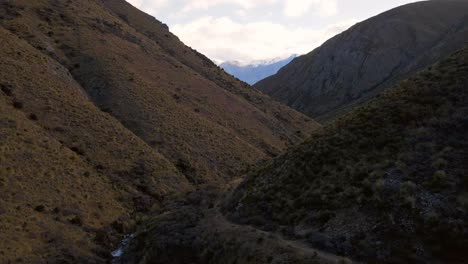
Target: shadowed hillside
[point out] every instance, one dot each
(384, 183)
(371, 56)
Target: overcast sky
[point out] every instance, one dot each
(247, 30)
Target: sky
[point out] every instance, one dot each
(251, 30)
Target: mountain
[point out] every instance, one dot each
(385, 183)
(68, 170)
(104, 116)
(371, 56)
(253, 72)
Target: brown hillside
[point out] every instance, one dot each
(207, 131)
(99, 124)
(160, 33)
(67, 169)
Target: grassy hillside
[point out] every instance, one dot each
(385, 183)
(209, 129)
(160, 33)
(68, 170)
(100, 124)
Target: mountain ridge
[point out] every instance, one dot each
(371, 56)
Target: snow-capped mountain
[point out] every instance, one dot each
(254, 71)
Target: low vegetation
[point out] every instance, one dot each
(385, 183)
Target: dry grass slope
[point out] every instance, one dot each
(208, 131)
(68, 170)
(100, 123)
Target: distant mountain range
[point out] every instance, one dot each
(255, 71)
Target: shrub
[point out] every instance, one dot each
(33, 117)
(6, 89)
(432, 219)
(463, 201)
(439, 164)
(40, 208)
(76, 221)
(407, 188)
(77, 151)
(17, 105)
(410, 202)
(438, 180)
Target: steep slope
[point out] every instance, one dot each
(253, 72)
(279, 118)
(99, 124)
(369, 57)
(209, 132)
(67, 170)
(385, 183)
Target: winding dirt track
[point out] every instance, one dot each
(219, 222)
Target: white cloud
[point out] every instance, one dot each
(149, 4)
(224, 39)
(259, 29)
(297, 8)
(292, 8)
(245, 4)
(136, 3)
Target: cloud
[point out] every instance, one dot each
(245, 4)
(210, 27)
(224, 39)
(297, 8)
(149, 4)
(136, 3)
(292, 8)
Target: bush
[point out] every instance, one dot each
(6, 89)
(40, 208)
(17, 105)
(438, 180)
(33, 117)
(439, 164)
(407, 188)
(76, 221)
(463, 201)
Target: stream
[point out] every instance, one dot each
(116, 254)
